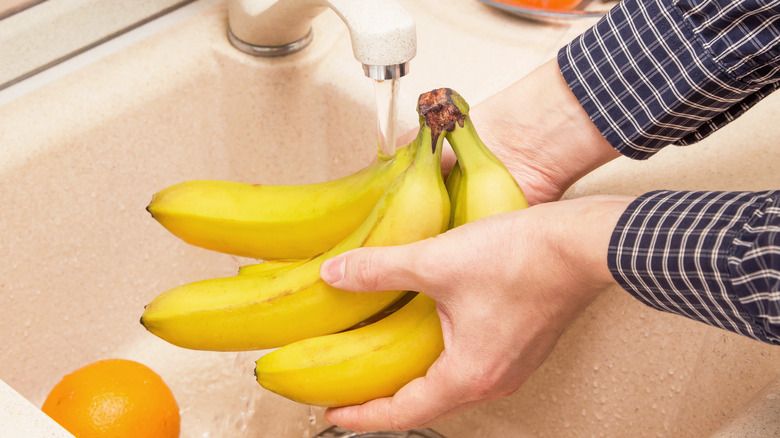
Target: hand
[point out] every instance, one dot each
(506, 287)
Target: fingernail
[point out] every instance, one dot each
(332, 270)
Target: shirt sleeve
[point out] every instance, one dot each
(656, 72)
(711, 256)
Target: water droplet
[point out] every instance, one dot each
(312, 418)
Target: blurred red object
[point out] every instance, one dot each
(558, 5)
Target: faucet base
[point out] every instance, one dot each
(268, 51)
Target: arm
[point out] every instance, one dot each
(650, 74)
(659, 72)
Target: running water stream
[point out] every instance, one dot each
(387, 114)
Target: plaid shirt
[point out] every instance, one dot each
(658, 72)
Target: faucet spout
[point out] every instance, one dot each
(383, 34)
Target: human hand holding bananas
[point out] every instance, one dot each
(505, 286)
(282, 303)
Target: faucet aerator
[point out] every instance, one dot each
(386, 72)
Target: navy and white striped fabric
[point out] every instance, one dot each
(658, 72)
(711, 256)
(655, 72)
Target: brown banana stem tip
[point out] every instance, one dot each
(440, 112)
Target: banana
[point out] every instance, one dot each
(453, 186)
(271, 267)
(275, 221)
(359, 365)
(481, 185)
(376, 360)
(252, 312)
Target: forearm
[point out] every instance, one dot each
(580, 231)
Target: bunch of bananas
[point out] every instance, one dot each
(332, 347)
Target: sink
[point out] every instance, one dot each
(82, 156)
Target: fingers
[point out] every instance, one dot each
(374, 269)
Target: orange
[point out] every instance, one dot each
(114, 398)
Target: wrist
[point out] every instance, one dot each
(583, 235)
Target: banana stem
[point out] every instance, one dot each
(445, 111)
(468, 147)
(438, 110)
(427, 143)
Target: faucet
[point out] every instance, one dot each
(383, 34)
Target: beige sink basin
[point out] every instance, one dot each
(82, 156)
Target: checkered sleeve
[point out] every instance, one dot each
(656, 72)
(711, 256)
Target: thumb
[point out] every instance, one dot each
(372, 269)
